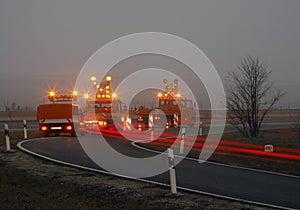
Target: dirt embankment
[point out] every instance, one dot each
(31, 183)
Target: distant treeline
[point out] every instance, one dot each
(16, 107)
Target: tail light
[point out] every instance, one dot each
(102, 123)
(69, 127)
(44, 128)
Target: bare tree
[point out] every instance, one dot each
(250, 96)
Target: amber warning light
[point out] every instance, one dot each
(53, 97)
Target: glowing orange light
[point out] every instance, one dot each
(69, 127)
(75, 93)
(93, 78)
(52, 93)
(159, 95)
(108, 78)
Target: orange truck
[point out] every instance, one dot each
(98, 110)
(56, 118)
(179, 111)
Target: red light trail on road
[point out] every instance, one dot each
(236, 149)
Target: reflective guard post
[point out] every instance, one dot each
(172, 171)
(25, 129)
(7, 141)
(127, 124)
(182, 141)
(151, 126)
(201, 129)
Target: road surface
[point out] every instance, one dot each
(251, 185)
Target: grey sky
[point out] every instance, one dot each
(45, 43)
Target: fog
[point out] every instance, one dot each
(44, 44)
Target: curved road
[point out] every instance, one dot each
(245, 184)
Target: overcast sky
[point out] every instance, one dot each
(45, 43)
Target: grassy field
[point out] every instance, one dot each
(283, 143)
(21, 190)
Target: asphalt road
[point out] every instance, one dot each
(234, 182)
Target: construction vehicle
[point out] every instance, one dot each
(178, 111)
(58, 116)
(98, 109)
